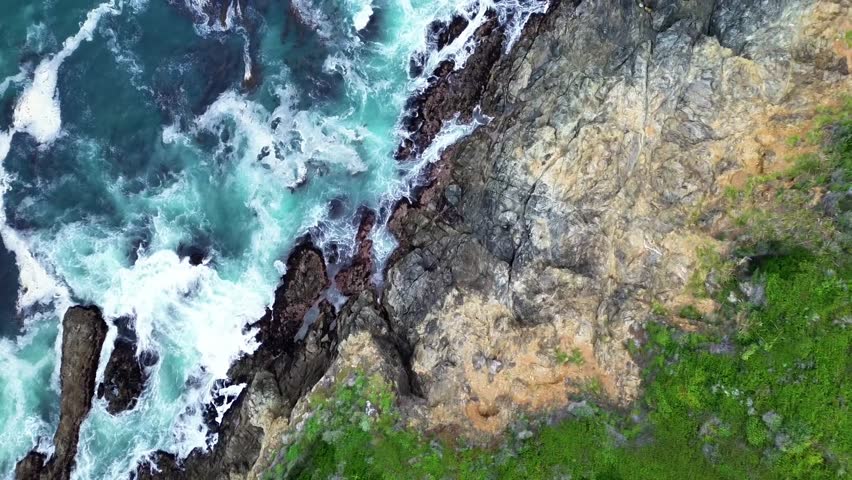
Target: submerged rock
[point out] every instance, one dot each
(83, 335)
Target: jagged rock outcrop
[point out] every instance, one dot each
(357, 275)
(125, 373)
(83, 335)
(451, 92)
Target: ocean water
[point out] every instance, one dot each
(129, 136)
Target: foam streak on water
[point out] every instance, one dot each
(125, 151)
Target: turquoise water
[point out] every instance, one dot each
(127, 135)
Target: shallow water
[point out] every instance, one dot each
(128, 137)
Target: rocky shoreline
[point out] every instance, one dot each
(552, 229)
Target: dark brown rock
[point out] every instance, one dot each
(273, 391)
(301, 286)
(452, 91)
(83, 334)
(355, 277)
(30, 467)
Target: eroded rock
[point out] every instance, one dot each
(83, 335)
(125, 373)
(355, 277)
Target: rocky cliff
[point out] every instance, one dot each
(548, 233)
(554, 227)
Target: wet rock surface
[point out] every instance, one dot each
(125, 374)
(278, 374)
(302, 285)
(451, 92)
(83, 335)
(355, 277)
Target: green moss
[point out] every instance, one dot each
(659, 309)
(713, 270)
(575, 357)
(689, 312)
(794, 140)
(779, 412)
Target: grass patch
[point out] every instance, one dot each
(689, 312)
(712, 273)
(575, 357)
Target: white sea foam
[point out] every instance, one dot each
(195, 320)
(230, 393)
(37, 111)
(362, 17)
(5, 145)
(36, 285)
(313, 17)
(247, 66)
(514, 14)
(175, 299)
(204, 25)
(17, 375)
(39, 37)
(511, 14)
(297, 139)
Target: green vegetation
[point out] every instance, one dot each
(659, 309)
(575, 357)
(713, 271)
(781, 213)
(689, 312)
(763, 395)
(794, 141)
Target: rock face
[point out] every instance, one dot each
(356, 276)
(452, 91)
(553, 228)
(125, 373)
(83, 334)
